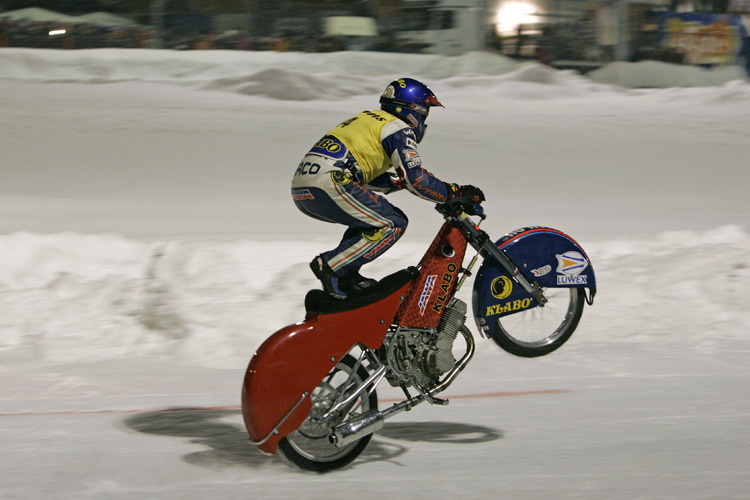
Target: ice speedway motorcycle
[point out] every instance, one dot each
(309, 391)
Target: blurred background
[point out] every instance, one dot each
(566, 34)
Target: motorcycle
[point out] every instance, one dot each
(309, 391)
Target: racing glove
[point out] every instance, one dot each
(465, 194)
(397, 184)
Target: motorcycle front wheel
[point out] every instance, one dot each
(309, 447)
(541, 330)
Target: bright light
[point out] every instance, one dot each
(511, 14)
(56, 32)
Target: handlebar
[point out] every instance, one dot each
(455, 209)
(480, 240)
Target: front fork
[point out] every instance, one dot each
(480, 241)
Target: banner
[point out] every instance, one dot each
(704, 39)
(739, 6)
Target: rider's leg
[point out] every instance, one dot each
(374, 226)
(377, 225)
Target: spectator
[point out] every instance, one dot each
(545, 48)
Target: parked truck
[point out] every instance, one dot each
(448, 27)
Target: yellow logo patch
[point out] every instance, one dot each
(340, 178)
(373, 236)
(501, 287)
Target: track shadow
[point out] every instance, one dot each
(227, 444)
(430, 432)
(440, 432)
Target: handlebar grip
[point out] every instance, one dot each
(477, 210)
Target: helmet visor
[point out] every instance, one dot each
(432, 101)
(422, 110)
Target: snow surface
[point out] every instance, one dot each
(148, 245)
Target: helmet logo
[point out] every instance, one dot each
(413, 120)
(389, 92)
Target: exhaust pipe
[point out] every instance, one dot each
(374, 420)
(371, 421)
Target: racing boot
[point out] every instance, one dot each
(327, 277)
(353, 282)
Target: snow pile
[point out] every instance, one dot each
(687, 289)
(130, 181)
(656, 74)
(73, 296)
(303, 76)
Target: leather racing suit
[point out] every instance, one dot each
(338, 178)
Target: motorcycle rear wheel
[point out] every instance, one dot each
(541, 330)
(309, 447)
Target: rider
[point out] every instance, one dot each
(337, 179)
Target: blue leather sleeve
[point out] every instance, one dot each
(401, 146)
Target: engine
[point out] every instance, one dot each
(419, 357)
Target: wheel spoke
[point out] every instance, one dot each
(308, 447)
(541, 330)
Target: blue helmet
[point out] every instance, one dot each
(410, 100)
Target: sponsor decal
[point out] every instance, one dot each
(389, 92)
(541, 271)
(302, 194)
(348, 122)
(307, 167)
(429, 285)
(412, 158)
(373, 115)
(340, 178)
(374, 235)
(383, 244)
(411, 139)
(501, 287)
(329, 145)
(445, 286)
(570, 265)
(515, 305)
(572, 280)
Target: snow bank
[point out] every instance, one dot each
(302, 76)
(74, 296)
(655, 74)
(586, 152)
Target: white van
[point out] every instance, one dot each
(448, 27)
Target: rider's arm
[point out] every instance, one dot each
(401, 145)
(384, 183)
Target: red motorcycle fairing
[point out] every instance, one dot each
(439, 269)
(294, 360)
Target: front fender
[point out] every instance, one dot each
(542, 254)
